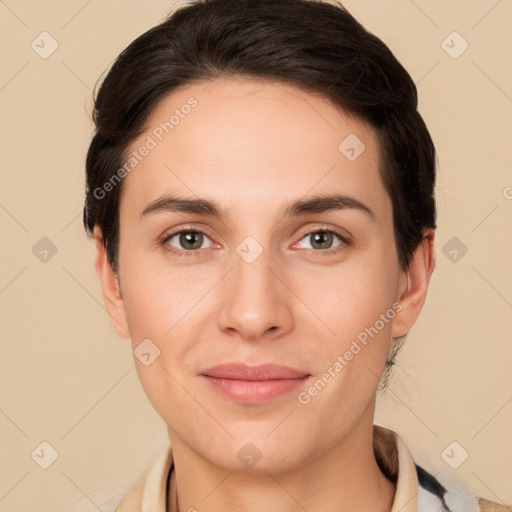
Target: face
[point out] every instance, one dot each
(314, 287)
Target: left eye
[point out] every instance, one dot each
(321, 240)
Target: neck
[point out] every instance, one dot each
(345, 477)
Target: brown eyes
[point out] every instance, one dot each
(190, 241)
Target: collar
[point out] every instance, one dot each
(149, 494)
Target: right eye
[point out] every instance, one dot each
(185, 242)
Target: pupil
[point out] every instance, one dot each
(188, 238)
(322, 235)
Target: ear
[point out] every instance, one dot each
(110, 287)
(414, 285)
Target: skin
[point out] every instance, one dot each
(253, 146)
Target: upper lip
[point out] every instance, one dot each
(242, 371)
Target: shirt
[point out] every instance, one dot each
(417, 490)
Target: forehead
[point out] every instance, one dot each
(242, 140)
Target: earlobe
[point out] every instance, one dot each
(414, 285)
(112, 297)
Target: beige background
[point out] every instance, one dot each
(68, 380)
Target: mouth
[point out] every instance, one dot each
(253, 384)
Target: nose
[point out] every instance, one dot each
(255, 302)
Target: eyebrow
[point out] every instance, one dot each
(207, 207)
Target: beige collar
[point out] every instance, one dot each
(149, 494)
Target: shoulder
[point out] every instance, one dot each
(441, 492)
(492, 506)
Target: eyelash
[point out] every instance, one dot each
(344, 241)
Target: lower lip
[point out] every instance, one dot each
(252, 391)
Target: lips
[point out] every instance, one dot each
(242, 371)
(253, 384)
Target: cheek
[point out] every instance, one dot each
(350, 297)
(158, 298)
(159, 309)
(356, 303)
(358, 307)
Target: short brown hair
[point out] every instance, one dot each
(314, 45)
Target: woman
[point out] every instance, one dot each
(260, 189)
